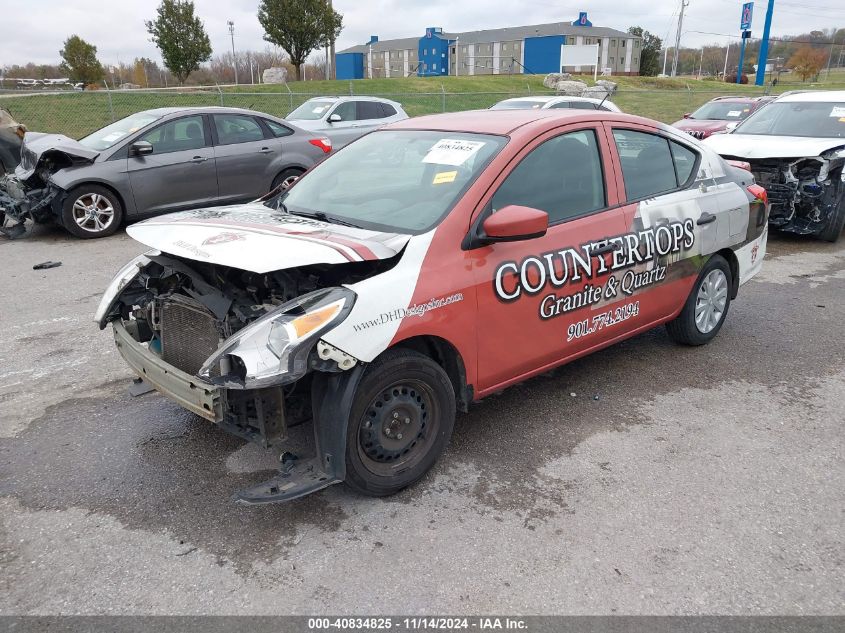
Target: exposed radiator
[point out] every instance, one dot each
(189, 333)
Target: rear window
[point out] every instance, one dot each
(369, 110)
(388, 110)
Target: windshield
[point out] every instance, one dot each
(114, 133)
(311, 110)
(402, 181)
(518, 104)
(722, 111)
(797, 118)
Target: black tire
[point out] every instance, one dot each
(834, 228)
(411, 397)
(91, 196)
(287, 174)
(684, 328)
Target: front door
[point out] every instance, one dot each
(180, 173)
(546, 299)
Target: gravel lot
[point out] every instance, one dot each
(702, 480)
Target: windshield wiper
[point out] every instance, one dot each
(322, 217)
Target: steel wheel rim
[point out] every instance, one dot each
(93, 212)
(287, 182)
(398, 427)
(711, 301)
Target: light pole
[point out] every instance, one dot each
(234, 59)
(684, 5)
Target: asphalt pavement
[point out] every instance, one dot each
(645, 479)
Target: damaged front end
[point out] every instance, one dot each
(29, 193)
(244, 351)
(806, 194)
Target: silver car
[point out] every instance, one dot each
(546, 103)
(154, 162)
(343, 119)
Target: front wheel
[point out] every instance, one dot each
(706, 307)
(91, 211)
(836, 222)
(401, 421)
(286, 178)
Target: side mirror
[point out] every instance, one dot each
(514, 223)
(687, 115)
(730, 127)
(335, 118)
(140, 148)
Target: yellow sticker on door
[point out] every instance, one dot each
(444, 177)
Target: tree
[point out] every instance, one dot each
(79, 61)
(299, 27)
(180, 36)
(650, 53)
(807, 62)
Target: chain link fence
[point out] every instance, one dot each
(76, 114)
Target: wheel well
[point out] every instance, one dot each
(733, 262)
(447, 356)
(104, 186)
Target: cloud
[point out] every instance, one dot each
(117, 28)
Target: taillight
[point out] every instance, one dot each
(739, 163)
(324, 143)
(759, 193)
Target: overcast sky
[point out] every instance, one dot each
(116, 27)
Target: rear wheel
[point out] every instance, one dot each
(91, 211)
(706, 307)
(286, 178)
(400, 423)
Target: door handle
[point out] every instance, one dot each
(706, 218)
(265, 150)
(602, 250)
(199, 159)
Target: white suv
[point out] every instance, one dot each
(343, 119)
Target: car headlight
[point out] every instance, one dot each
(123, 277)
(274, 349)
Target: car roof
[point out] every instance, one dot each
(505, 122)
(740, 99)
(551, 98)
(206, 109)
(334, 98)
(824, 96)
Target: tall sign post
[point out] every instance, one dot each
(763, 58)
(745, 27)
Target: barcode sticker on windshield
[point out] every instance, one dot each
(450, 151)
(838, 111)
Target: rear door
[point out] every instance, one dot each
(180, 173)
(673, 206)
(247, 156)
(537, 298)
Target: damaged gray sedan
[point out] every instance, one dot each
(795, 147)
(153, 162)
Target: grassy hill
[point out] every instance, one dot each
(665, 99)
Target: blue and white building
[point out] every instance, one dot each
(533, 49)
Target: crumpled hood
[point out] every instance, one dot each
(708, 125)
(755, 146)
(37, 144)
(259, 239)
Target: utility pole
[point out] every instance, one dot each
(665, 55)
(830, 56)
(684, 5)
(762, 58)
(700, 63)
(727, 50)
(333, 73)
(234, 59)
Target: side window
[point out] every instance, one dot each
(175, 136)
(560, 105)
(277, 129)
(346, 111)
(387, 110)
(369, 110)
(647, 165)
(562, 177)
(237, 128)
(684, 161)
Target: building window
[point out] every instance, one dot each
(613, 42)
(504, 47)
(434, 66)
(636, 61)
(623, 43)
(611, 61)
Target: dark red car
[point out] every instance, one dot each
(715, 115)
